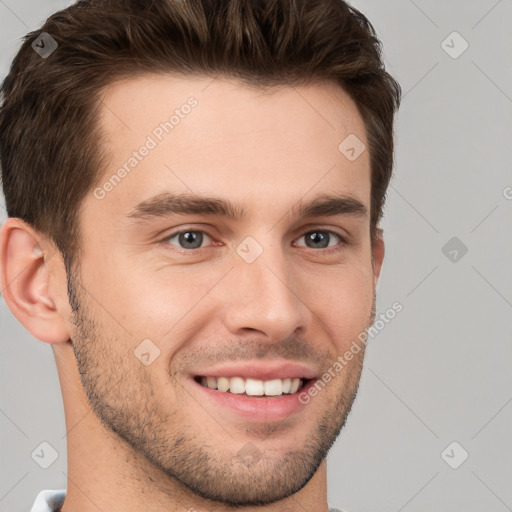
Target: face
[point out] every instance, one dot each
(236, 245)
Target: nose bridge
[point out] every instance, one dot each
(266, 295)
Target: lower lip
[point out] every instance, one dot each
(264, 409)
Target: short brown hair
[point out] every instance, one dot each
(51, 150)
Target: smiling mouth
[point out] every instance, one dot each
(253, 388)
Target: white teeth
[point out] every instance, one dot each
(295, 385)
(222, 384)
(253, 387)
(237, 385)
(273, 387)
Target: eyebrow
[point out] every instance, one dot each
(166, 204)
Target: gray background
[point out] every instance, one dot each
(440, 371)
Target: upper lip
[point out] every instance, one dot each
(260, 371)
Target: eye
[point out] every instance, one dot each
(193, 239)
(188, 239)
(321, 238)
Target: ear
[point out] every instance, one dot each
(24, 279)
(377, 255)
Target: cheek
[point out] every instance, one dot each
(345, 302)
(154, 301)
(163, 302)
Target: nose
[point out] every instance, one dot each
(265, 295)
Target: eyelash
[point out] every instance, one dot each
(339, 247)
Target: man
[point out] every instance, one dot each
(194, 190)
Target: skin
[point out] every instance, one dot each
(142, 437)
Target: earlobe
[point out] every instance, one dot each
(24, 278)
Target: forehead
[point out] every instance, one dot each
(218, 136)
